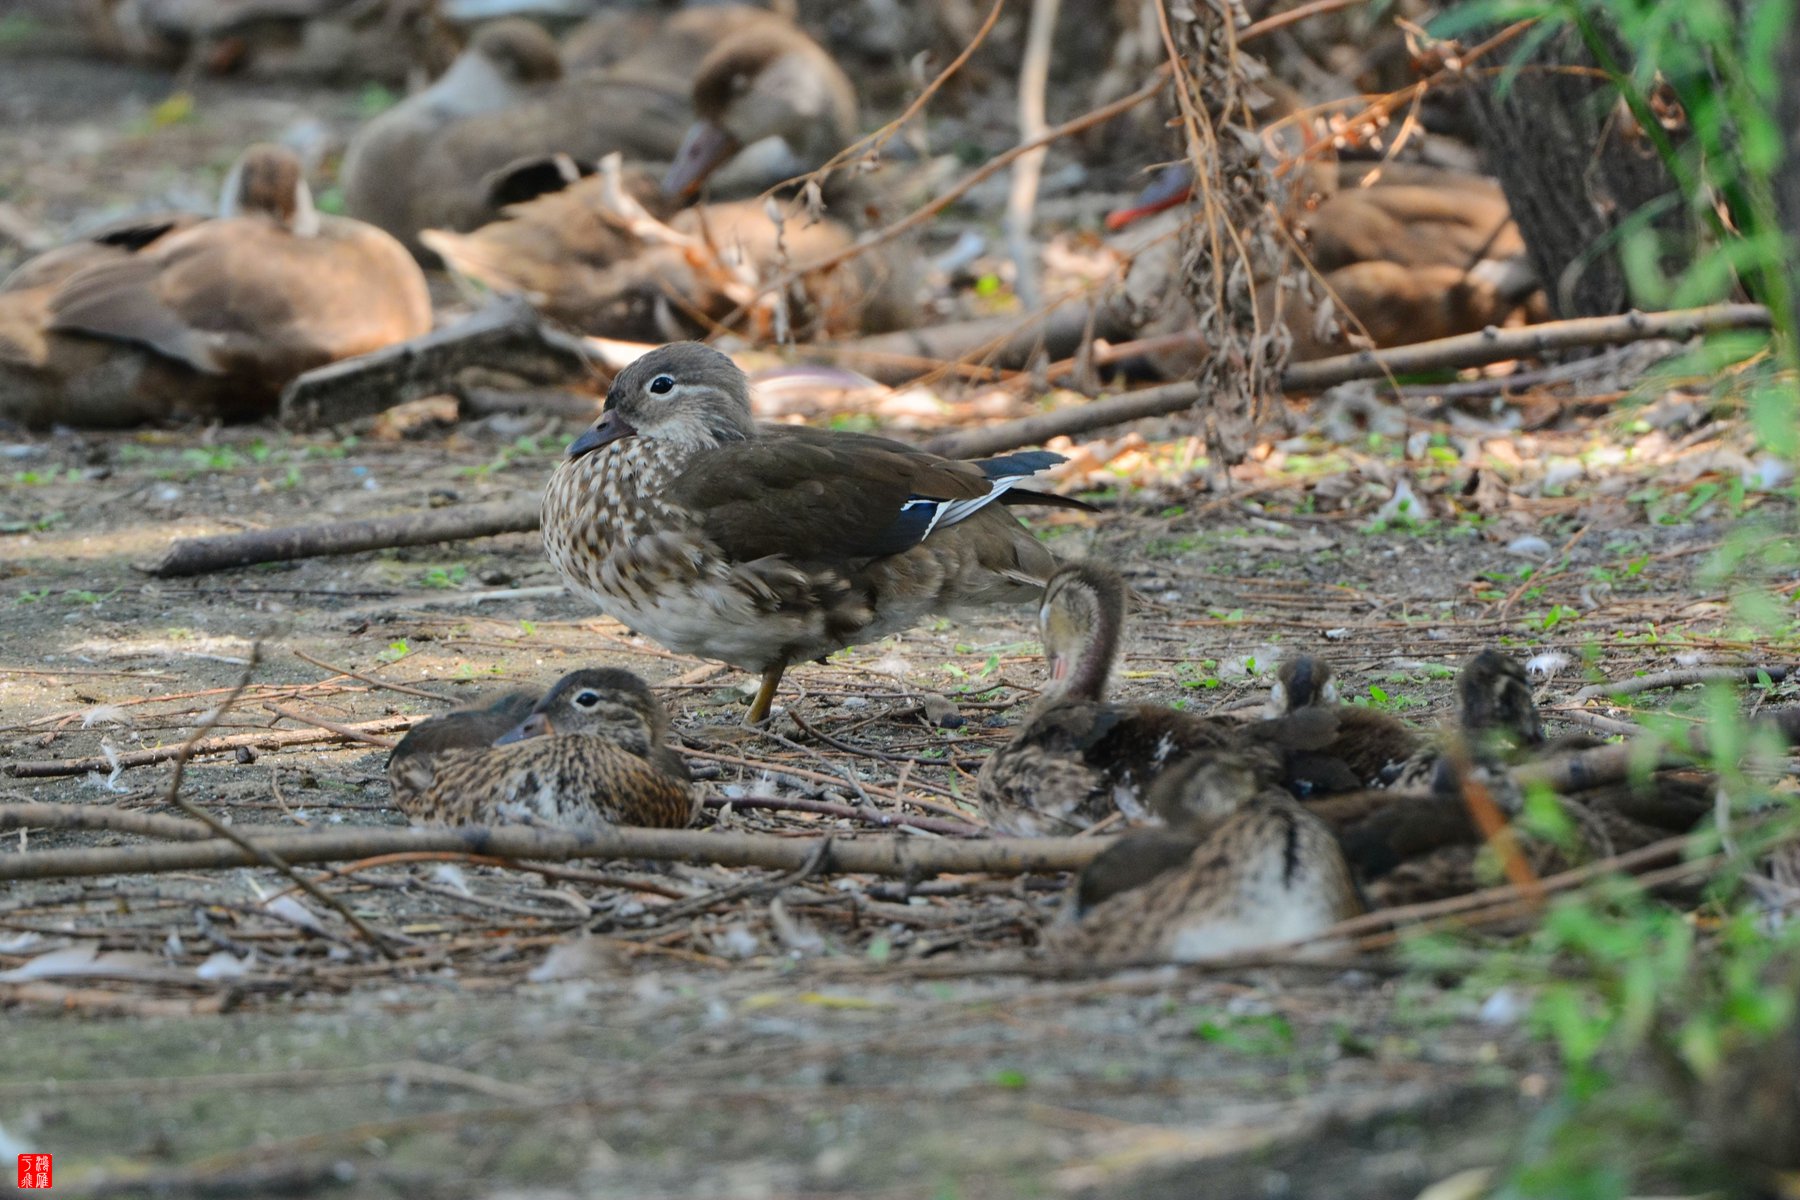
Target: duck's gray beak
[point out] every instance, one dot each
(608, 429)
(536, 725)
(702, 151)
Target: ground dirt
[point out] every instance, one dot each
(543, 1035)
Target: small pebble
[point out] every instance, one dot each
(1529, 546)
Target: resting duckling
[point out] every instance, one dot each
(1078, 758)
(1371, 743)
(1240, 866)
(505, 61)
(590, 755)
(212, 321)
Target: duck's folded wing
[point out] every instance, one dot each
(812, 497)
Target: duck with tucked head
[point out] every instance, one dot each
(775, 85)
(505, 62)
(591, 754)
(212, 321)
(1079, 758)
(1239, 865)
(766, 545)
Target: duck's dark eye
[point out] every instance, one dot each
(587, 699)
(662, 384)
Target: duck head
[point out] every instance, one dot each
(1204, 789)
(1081, 617)
(683, 393)
(773, 82)
(516, 49)
(604, 702)
(1496, 701)
(267, 180)
(1300, 682)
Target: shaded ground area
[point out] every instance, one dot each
(744, 1049)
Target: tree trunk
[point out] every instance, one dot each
(1575, 166)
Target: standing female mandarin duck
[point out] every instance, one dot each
(1239, 866)
(505, 60)
(1080, 758)
(590, 755)
(766, 545)
(213, 320)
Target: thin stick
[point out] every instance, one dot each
(1464, 350)
(220, 745)
(1021, 201)
(1681, 678)
(1497, 345)
(350, 732)
(961, 188)
(268, 857)
(1293, 16)
(823, 808)
(368, 679)
(885, 855)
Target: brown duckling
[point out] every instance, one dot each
(212, 321)
(505, 62)
(766, 545)
(585, 264)
(590, 755)
(1413, 848)
(1079, 758)
(1240, 866)
(1372, 744)
(772, 82)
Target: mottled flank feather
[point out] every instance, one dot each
(1240, 866)
(590, 755)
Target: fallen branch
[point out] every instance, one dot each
(197, 556)
(870, 815)
(904, 857)
(1681, 678)
(1498, 345)
(1008, 342)
(102, 817)
(1464, 350)
(505, 338)
(271, 740)
(1076, 419)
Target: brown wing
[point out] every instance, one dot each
(811, 496)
